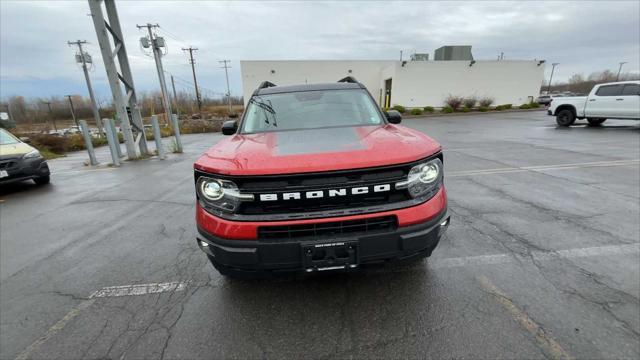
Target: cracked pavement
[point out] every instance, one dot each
(102, 227)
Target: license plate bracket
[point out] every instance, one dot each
(326, 256)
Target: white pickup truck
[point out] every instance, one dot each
(618, 100)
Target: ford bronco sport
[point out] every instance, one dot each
(317, 178)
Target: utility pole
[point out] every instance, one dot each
(156, 42)
(553, 67)
(620, 69)
(73, 111)
(9, 110)
(84, 58)
(195, 82)
(226, 73)
(175, 97)
(108, 31)
(48, 103)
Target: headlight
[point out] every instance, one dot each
(220, 194)
(211, 190)
(423, 178)
(32, 155)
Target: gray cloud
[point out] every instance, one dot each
(583, 36)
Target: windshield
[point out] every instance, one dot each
(6, 138)
(310, 110)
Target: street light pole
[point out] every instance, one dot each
(553, 67)
(620, 69)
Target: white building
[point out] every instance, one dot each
(408, 83)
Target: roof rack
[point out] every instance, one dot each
(266, 84)
(349, 79)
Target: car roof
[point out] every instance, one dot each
(621, 82)
(308, 87)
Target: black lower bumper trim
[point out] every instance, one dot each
(248, 256)
(26, 169)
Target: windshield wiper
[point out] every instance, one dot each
(268, 108)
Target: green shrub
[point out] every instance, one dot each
(447, 110)
(399, 108)
(429, 109)
(465, 109)
(534, 105)
(507, 106)
(469, 102)
(454, 102)
(485, 101)
(525, 106)
(483, 109)
(499, 108)
(416, 111)
(52, 143)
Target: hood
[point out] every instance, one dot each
(15, 149)
(315, 150)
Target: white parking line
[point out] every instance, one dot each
(156, 288)
(629, 249)
(139, 289)
(542, 336)
(26, 353)
(111, 291)
(545, 167)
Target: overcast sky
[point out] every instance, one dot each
(35, 60)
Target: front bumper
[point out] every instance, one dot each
(251, 257)
(19, 169)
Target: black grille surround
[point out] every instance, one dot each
(321, 207)
(6, 165)
(328, 230)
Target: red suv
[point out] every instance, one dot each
(317, 178)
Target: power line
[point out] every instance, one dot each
(171, 35)
(200, 87)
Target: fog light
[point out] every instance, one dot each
(203, 244)
(445, 223)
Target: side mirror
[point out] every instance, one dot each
(229, 127)
(393, 116)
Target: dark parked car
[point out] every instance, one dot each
(20, 161)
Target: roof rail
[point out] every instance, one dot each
(349, 79)
(266, 84)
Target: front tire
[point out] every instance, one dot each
(596, 122)
(43, 180)
(565, 117)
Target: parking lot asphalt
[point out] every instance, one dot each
(542, 260)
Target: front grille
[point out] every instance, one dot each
(7, 165)
(328, 229)
(323, 181)
(275, 206)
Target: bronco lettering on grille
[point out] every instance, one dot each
(319, 194)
